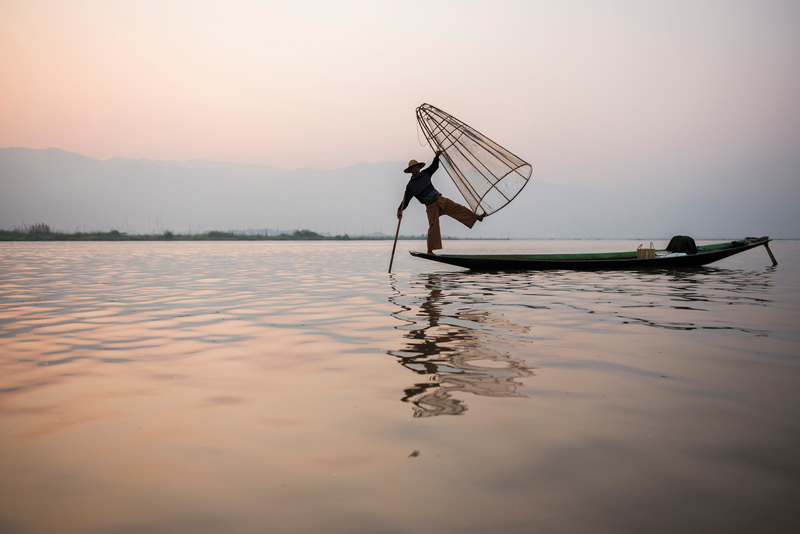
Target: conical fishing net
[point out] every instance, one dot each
(488, 175)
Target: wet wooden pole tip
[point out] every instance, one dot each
(774, 261)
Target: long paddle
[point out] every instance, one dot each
(397, 233)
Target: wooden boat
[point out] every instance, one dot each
(598, 261)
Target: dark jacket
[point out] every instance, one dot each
(421, 187)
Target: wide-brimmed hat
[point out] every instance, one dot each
(413, 163)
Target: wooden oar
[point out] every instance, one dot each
(397, 233)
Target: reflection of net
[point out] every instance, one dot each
(486, 174)
(434, 401)
(464, 370)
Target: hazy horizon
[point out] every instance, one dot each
(70, 191)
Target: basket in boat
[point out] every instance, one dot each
(646, 253)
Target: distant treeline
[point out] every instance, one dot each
(43, 232)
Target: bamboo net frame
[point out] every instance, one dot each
(486, 174)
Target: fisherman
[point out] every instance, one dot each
(436, 205)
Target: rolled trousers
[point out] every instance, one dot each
(445, 206)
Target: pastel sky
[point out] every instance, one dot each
(589, 92)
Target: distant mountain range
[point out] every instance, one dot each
(69, 191)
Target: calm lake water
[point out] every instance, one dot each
(297, 387)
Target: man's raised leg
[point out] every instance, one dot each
(458, 212)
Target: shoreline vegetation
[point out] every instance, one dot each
(43, 232)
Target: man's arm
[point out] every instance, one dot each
(404, 204)
(435, 163)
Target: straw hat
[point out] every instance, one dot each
(413, 163)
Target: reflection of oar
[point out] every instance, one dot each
(397, 233)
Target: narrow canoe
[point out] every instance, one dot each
(597, 261)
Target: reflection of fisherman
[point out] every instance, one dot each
(436, 205)
(454, 356)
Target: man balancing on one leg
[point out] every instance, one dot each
(436, 205)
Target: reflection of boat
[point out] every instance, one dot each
(453, 354)
(597, 261)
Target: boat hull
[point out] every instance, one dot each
(615, 261)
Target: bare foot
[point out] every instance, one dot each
(430, 252)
